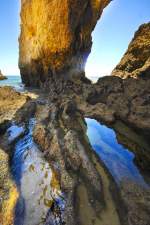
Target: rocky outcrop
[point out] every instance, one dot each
(10, 102)
(136, 200)
(136, 61)
(90, 194)
(60, 132)
(8, 191)
(88, 187)
(112, 99)
(2, 77)
(128, 98)
(57, 40)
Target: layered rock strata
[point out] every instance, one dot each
(10, 104)
(90, 194)
(60, 133)
(55, 38)
(91, 197)
(136, 61)
(113, 98)
(8, 191)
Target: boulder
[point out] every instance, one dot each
(136, 60)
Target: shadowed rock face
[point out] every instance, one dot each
(56, 38)
(136, 60)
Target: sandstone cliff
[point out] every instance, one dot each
(136, 60)
(56, 38)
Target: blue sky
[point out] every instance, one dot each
(110, 38)
(114, 32)
(9, 32)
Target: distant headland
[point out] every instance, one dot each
(2, 77)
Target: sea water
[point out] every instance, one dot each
(13, 81)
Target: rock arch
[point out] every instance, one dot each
(55, 38)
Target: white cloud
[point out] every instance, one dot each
(94, 70)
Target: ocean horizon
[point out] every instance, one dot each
(13, 81)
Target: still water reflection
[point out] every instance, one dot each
(36, 182)
(117, 159)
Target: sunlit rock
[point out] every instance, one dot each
(136, 60)
(8, 192)
(56, 38)
(2, 77)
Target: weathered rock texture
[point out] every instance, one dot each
(54, 44)
(136, 60)
(8, 191)
(91, 197)
(10, 102)
(90, 194)
(137, 201)
(56, 38)
(61, 134)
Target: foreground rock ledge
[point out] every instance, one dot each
(91, 196)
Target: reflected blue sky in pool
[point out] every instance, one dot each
(33, 176)
(117, 159)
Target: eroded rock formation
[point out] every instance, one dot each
(10, 102)
(2, 77)
(8, 191)
(61, 134)
(113, 98)
(90, 194)
(56, 38)
(54, 44)
(136, 60)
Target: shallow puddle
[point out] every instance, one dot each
(118, 160)
(35, 181)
